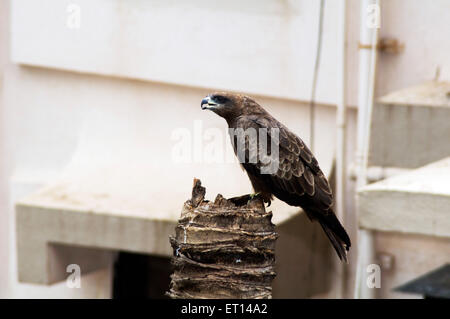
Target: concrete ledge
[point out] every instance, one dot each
(56, 228)
(410, 127)
(417, 202)
(429, 94)
(50, 239)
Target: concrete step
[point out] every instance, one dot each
(410, 128)
(416, 202)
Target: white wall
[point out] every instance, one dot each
(268, 44)
(4, 218)
(177, 61)
(423, 27)
(118, 132)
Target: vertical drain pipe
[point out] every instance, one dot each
(367, 72)
(341, 122)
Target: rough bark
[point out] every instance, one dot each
(223, 249)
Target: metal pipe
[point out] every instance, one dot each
(341, 122)
(367, 76)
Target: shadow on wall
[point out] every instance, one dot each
(304, 259)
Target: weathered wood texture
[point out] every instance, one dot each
(224, 249)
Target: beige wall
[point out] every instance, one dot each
(422, 27)
(269, 44)
(4, 211)
(49, 116)
(121, 129)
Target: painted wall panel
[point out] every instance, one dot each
(262, 47)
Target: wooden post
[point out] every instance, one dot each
(224, 249)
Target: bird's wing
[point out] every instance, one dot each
(297, 179)
(298, 173)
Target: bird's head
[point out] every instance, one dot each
(230, 105)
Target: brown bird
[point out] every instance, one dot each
(295, 177)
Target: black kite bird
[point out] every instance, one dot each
(296, 179)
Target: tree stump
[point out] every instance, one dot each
(224, 249)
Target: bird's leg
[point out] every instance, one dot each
(259, 194)
(252, 196)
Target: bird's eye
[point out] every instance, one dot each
(220, 99)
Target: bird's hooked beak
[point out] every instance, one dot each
(208, 103)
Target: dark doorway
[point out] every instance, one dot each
(141, 276)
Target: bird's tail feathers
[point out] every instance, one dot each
(337, 235)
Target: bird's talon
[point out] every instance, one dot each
(252, 196)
